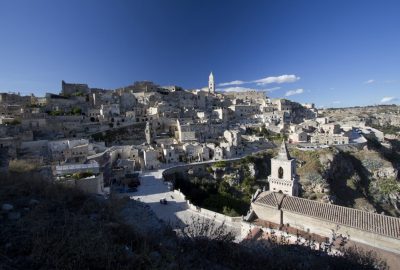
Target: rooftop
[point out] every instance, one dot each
(375, 223)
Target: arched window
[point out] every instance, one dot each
(280, 172)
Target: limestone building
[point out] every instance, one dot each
(149, 132)
(322, 218)
(283, 176)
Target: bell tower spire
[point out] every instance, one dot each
(283, 176)
(211, 84)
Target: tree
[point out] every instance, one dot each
(223, 187)
(76, 111)
(204, 228)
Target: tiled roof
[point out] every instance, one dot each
(271, 199)
(375, 223)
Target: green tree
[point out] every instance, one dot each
(76, 111)
(223, 188)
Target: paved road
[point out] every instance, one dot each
(176, 211)
(152, 189)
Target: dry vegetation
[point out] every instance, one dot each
(63, 228)
(22, 166)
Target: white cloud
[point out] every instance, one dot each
(264, 81)
(272, 89)
(294, 92)
(388, 99)
(232, 83)
(369, 81)
(279, 79)
(336, 102)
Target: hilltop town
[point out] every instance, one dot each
(249, 161)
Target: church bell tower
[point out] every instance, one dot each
(283, 176)
(211, 84)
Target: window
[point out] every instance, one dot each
(280, 172)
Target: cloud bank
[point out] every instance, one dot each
(294, 92)
(279, 79)
(232, 83)
(388, 99)
(263, 81)
(369, 81)
(272, 89)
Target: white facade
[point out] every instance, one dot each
(218, 153)
(298, 137)
(109, 110)
(150, 157)
(170, 155)
(233, 137)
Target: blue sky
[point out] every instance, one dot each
(332, 53)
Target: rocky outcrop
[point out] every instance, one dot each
(252, 169)
(385, 172)
(394, 200)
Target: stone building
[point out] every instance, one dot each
(185, 131)
(283, 176)
(86, 177)
(68, 89)
(150, 157)
(233, 137)
(329, 139)
(298, 137)
(150, 133)
(323, 219)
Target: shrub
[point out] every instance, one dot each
(229, 212)
(21, 165)
(220, 164)
(76, 111)
(389, 185)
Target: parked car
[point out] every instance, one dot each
(163, 201)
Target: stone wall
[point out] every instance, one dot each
(232, 221)
(91, 185)
(324, 228)
(271, 214)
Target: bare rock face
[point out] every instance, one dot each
(252, 169)
(326, 160)
(232, 178)
(395, 200)
(320, 188)
(331, 199)
(385, 172)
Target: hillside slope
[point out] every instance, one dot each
(46, 226)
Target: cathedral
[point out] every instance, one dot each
(283, 176)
